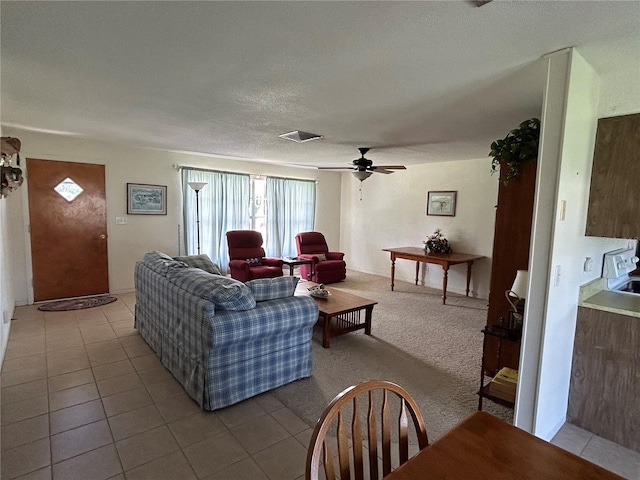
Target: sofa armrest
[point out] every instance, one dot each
(335, 255)
(272, 262)
(239, 264)
(271, 317)
(239, 270)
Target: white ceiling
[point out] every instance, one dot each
(416, 81)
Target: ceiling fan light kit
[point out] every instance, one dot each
(363, 167)
(362, 175)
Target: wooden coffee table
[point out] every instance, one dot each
(340, 312)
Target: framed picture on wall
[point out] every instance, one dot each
(145, 199)
(442, 203)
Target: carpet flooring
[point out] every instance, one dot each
(432, 350)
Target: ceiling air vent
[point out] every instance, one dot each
(300, 137)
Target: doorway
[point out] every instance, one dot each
(68, 226)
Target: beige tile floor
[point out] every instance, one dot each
(83, 397)
(623, 461)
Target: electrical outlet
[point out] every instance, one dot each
(121, 221)
(588, 264)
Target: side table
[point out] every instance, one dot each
(503, 334)
(294, 261)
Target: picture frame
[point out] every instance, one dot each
(145, 199)
(442, 203)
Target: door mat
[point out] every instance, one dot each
(77, 303)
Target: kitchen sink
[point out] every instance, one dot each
(630, 286)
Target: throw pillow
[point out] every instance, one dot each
(321, 257)
(226, 293)
(160, 262)
(272, 288)
(202, 262)
(254, 262)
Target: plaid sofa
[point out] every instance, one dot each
(216, 340)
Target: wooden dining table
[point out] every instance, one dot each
(445, 260)
(483, 447)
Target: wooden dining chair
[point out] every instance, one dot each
(361, 418)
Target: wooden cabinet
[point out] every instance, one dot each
(514, 213)
(614, 196)
(605, 376)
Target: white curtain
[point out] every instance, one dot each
(224, 205)
(291, 207)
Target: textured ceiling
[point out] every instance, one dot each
(416, 81)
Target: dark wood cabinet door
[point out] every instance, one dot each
(604, 389)
(614, 196)
(514, 213)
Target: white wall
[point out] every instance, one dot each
(142, 233)
(7, 298)
(618, 64)
(569, 249)
(11, 257)
(569, 120)
(392, 213)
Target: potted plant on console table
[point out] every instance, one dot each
(437, 243)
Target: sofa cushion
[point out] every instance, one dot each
(161, 263)
(202, 262)
(272, 288)
(226, 293)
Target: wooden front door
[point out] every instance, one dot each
(68, 235)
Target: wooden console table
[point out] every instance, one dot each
(444, 259)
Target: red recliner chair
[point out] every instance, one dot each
(331, 268)
(247, 259)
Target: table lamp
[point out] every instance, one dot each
(518, 291)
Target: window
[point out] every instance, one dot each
(258, 213)
(279, 208)
(291, 209)
(223, 207)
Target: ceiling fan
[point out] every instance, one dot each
(363, 168)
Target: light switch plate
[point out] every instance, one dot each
(121, 221)
(556, 276)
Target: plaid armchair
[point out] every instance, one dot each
(247, 257)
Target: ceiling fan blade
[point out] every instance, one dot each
(391, 167)
(381, 170)
(334, 168)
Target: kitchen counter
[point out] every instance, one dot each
(596, 295)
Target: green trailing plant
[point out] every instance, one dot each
(518, 147)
